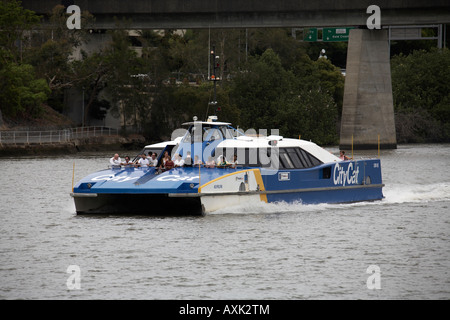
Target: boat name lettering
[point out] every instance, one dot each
(342, 176)
(108, 177)
(176, 177)
(218, 186)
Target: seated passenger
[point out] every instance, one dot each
(128, 162)
(222, 162)
(168, 164)
(153, 160)
(210, 163)
(234, 163)
(143, 161)
(115, 161)
(197, 161)
(179, 162)
(188, 159)
(164, 160)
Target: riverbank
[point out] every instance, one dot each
(103, 143)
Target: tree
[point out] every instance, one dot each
(21, 91)
(421, 91)
(271, 97)
(15, 26)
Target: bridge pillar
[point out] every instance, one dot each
(368, 108)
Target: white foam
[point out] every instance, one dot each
(417, 193)
(393, 194)
(267, 208)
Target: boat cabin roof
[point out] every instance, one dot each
(280, 142)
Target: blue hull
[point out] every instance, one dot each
(187, 190)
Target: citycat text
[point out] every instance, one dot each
(342, 176)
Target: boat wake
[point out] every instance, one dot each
(417, 193)
(269, 208)
(394, 194)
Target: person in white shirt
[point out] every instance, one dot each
(235, 162)
(128, 162)
(115, 161)
(179, 162)
(153, 160)
(143, 162)
(188, 159)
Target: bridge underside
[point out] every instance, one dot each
(182, 14)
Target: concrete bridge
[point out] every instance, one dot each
(368, 112)
(176, 14)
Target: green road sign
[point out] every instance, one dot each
(310, 34)
(336, 34)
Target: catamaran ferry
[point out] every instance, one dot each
(223, 168)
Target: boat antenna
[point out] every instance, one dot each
(214, 78)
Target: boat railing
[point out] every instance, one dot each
(53, 136)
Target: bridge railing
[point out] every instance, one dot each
(53, 136)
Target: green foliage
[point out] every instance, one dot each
(421, 90)
(20, 91)
(271, 97)
(14, 22)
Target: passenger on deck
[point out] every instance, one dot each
(154, 160)
(128, 162)
(168, 164)
(210, 163)
(342, 155)
(222, 162)
(234, 163)
(188, 159)
(143, 161)
(197, 161)
(115, 161)
(179, 162)
(165, 157)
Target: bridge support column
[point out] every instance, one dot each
(368, 109)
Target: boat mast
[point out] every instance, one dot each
(214, 78)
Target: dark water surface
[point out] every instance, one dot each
(266, 251)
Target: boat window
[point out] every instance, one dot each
(326, 173)
(211, 134)
(194, 134)
(307, 159)
(227, 132)
(295, 159)
(302, 158)
(249, 157)
(285, 160)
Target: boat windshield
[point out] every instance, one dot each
(202, 132)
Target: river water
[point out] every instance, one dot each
(267, 251)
